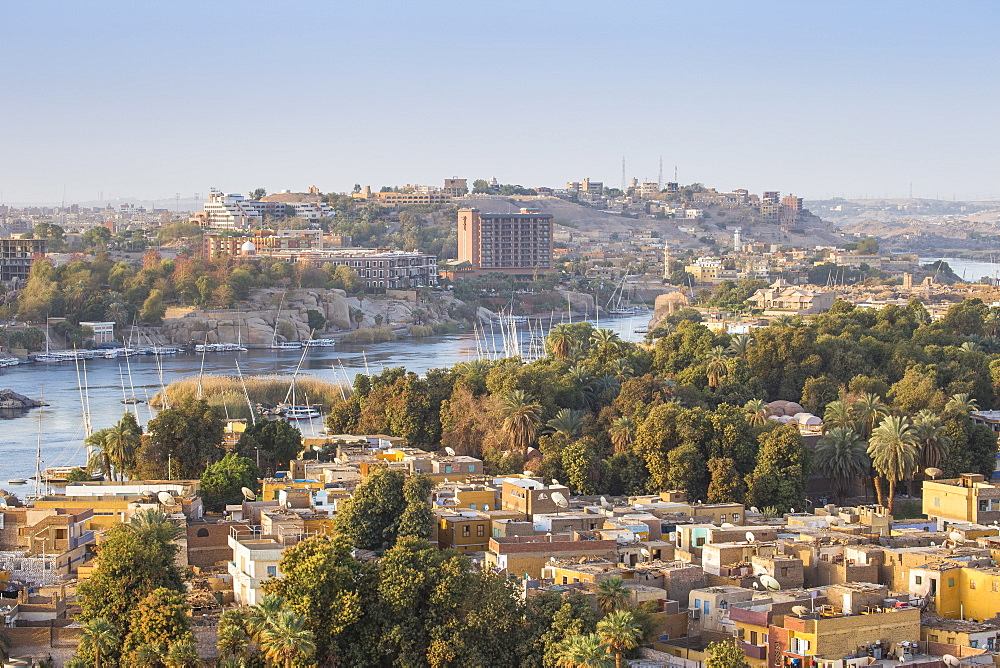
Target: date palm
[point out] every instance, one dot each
(622, 433)
(620, 633)
(156, 521)
(120, 445)
(233, 637)
(962, 403)
(931, 437)
(717, 368)
(182, 654)
(583, 652)
(100, 637)
(740, 344)
(606, 343)
(838, 415)
(613, 595)
(756, 412)
(521, 417)
(868, 411)
(560, 341)
(567, 422)
(841, 456)
(894, 455)
(287, 638)
(99, 460)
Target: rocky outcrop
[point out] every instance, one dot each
(256, 326)
(667, 304)
(12, 400)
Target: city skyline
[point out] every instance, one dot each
(142, 102)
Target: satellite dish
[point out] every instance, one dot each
(552, 560)
(832, 520)
(950, 660)
(728, 525)
(750, 537)
(933, 472)
(338, 460)
(166, 498)
(800, 610)
(526, 473)
(756, 585)
(753, 509)
(607, 505)
(559, 499)
(645, 552)
(248, 494)
(450, 450)
(955, 536)
(791, 510)
(555, 482)
(769, 583)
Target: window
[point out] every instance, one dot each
(974, 644)
(465, 531)
(753, 637)
(699, 542)
(480, 530)
(272, 571)
(932, 638)
(722, 517)
(937, 501)
(706, 607)
(565, 580)
(919, 579)
(472, 468)
(951, 582)
(472, 506)
(784, 571)
(447, 468)
(736, 517)
(697, 603)
(995, 585)
(202, 533)
(972, 584)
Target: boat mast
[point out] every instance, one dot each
(253, 419)
(38, 449)
(83, 403)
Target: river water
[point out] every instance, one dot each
(59, 426)
(968, 270)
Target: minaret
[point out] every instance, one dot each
(736, 239)
(666, 260)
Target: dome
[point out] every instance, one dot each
(808, 419)
(248, 247)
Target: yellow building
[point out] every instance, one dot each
(958, 592)
(966, 633)
(968, 498)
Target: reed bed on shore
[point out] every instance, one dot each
(226, 392)
(370, 335)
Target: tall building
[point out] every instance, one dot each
(228, 211)
(17, 256)
(512, 243)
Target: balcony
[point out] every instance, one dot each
(85, 538)
(754, 651)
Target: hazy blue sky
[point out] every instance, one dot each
(146, 99)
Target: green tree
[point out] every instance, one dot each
(583, 651)
(99, 639)
(894, 454)
(160, 619)
(726, 654)
(928, 428)
(385, 503)
(316, 320)
(613, 595)
(867, 246)
(779, 479)
(191, 432)
(726, 484)
(322, 582)
(756, 412)
(153, 309)
(273, 443)
(620, 633)
(567, 423)
(582, 466)
(622, 433)
(521, 417)
(287, 639)
(841, 456)
(717, 368)
(96, 237)
(222, 481)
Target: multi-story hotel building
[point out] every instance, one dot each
(513, 243)
(17, 256)
(228, 211)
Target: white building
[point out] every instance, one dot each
(229, 211)
(255, 561)
(104, 332)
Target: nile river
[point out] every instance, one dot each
(61, 423)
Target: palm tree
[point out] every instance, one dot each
(156, 521)
(287, 638)
(100, 637)
(991, 322)
(717, 368)
(620, 369)
(620, 633)
(567, 422)
(579, 376)
(893, 451)
(931, 437)
(782, 320)
(756, 412)
(613, 595)
(233, 637)
(841, 457)
(962, 403)
(606, 342)
(838, 414)
(117, 312)
(622, 433)
(583, 652)
(261, 616)
(740, 344)
(868, 410)
(182, 654)
(120, 445)
(560, 341)
(148, 654)
(972, 347)
(521, 417)
(100, 458)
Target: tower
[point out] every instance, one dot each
(666, 260)
(736, 238)
(623, 173)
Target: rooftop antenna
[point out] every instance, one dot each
(623, 174)
(675, 173)
(659, 182)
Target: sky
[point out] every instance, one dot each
(822, 99)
